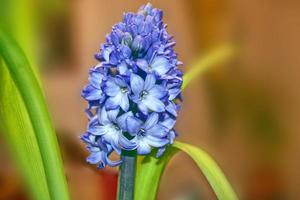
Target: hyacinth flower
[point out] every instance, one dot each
(134, 96)
(134, 87)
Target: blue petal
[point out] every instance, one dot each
(121, 121)
(112, 115)
(143, 108)
(126, 144)
(120, 82)
(98, 130)
(91, 94)
(174, 93)
(151, 121)
(143, 148)
(122, 68)
(103, 118)
(149, 82)
(133, 125)
(171, 108)
(158, 92)
(113, 102)
(156, 142)
(112, 89)
(95, 79)
(168, 123)
(160, 65)
(157, 131)
(154, 104)
(124, 103)
(143, 64)
(160, 152)
(137, 83)
(95, 157)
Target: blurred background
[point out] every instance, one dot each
(245, 113)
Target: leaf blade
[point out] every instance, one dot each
(216, 56)
(27, 84)
(210, 169)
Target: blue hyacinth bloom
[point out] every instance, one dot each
(134, 92)
(147, 94)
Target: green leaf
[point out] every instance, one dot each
(216, 56)
(150, 170)
(210, 169)
(26, 121)
(148, 174)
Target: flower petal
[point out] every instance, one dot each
(156, 142)
(113, 102)
(151, 121)
(98, 130)
(149, 82)
(133, 125)
(124, 102)
(143, 147)
(112, 115)
(126, 144)
(137, 83)
(143, 65)
(157, 131)
(91, 94)
(161, 65)
(158, 91)
(121, 121)
(154, 104)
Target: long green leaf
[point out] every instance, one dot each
(216, 56)
(210, 169)
(16, 127)
(31, 94)
(150, 170)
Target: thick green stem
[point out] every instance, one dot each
(127, 176)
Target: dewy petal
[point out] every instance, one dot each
(151, 121)
(157, 131)
(154, 104)
(137, 83)
(143, 147)
(158, 91)
(124, 103)
(114, 102)
(121, 121)
(149, 82)
(133, 125)
(161, 65)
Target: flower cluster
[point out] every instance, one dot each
(134, 93)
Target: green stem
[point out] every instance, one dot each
(127, 176)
